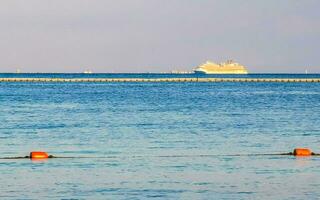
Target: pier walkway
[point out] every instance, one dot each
(160, 80)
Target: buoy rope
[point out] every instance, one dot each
(162, 156)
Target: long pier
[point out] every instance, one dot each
(160, 80)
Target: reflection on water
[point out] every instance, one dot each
(138, 126)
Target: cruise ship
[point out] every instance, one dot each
(228, 67)
(87, 72)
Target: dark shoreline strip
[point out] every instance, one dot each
(285, 80)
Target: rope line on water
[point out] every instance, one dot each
(45, 155)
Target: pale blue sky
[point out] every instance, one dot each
(158, 35)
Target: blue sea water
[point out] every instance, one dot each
(149, 140)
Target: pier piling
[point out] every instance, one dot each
(287, 80)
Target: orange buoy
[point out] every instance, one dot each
(302, 152)
(38, 155)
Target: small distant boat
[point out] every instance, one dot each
(228, 67)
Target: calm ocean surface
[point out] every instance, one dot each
(152, 136)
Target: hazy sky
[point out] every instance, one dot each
(158, 35)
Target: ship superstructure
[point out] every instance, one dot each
(228, 67)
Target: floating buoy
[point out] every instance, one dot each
(302, 152)
(38, 155)
(41, 155)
